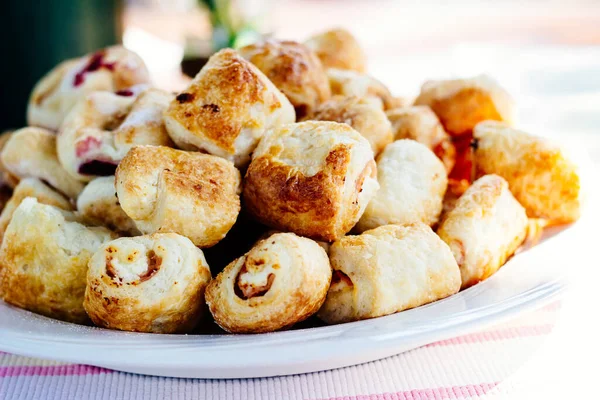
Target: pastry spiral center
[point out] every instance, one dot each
(253, 284)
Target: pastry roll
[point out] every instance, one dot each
(227, 108)
(351, 83)
(149, 283)
(386, 270)
(102, 127)
(462, 103)
(361, 114)
(412, 185)
(421, 124)
(44, 260)
(540, 175)
(485, 227)
(337, 48)
(294, 69)
(311, 178)
(281, 281)
(168, 190)
(31, 152)
(98, 203)
(31, 187)
(114, 69)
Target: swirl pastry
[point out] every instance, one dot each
(227, 108)
(113, 69)
(149, 283)
(294, 69)
(44, 258)
(98, 203)
(168, 190)
(31, 152)
(485, 227)
(281, 281)
(421, 124)
(337, 48)
(412, 185)
(462, 103)
(311, 178)
(386, 270)
(101, 129)
(361, 114)
(539, 173)
(351, 83)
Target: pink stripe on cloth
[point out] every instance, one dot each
(451, 392)
(53, 370)
(495, 335)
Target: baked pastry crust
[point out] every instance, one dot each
(337, 48)
(7, 180)
(312, 178)
(352, 83)
(149, 283)
(281, 281)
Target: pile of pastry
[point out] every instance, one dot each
(352, 203)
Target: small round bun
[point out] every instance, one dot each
(114, 69)
(103, 126)
(31, 152)
(361, 114)
(337, 48)
(387, 270)
(461, 104)
(294, 69)
(311, 178)
(281, 281)
(44, 258)
(421, 124)
(167, 190)
(149, 283)
(227, 108)
(412, 185)
(351, 83)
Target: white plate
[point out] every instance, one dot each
(530, 279)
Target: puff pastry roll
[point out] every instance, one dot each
(98, 203)
(351, 83)
(227, 108)
(386, 270)
(149, 283)
(294, 69)
(311, 178)
(281, 281)
(114, 69)
(412, 185)
(168, 190)
(421, 124)
(540, 175)
(360, 113)
(461, 104)
(485, 227)
(102, 127)
(337, 48)
(31, 152)
(43, 260)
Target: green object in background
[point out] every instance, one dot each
(37, 35)
(230, 27)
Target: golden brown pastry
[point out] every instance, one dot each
(281, 281)
(485, 227)
(544, 180)
(149, 283)
(43, 260)
(98, 203)
(294, 69)
(7, 180)
(227, 108)
(337, 48)
(168, 190)
(31, 152)
(461, 104)
(412, 184)
(421, 124)
(311, 178)
(103, 126)
(114, 69)
(360, 113)
(351, 83)
(386, 270)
